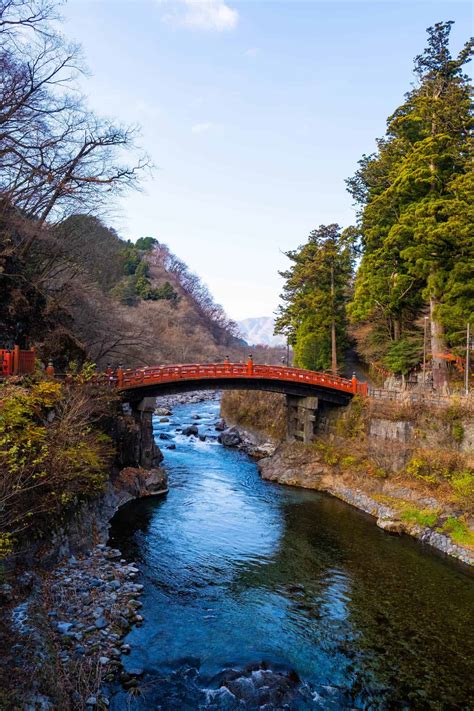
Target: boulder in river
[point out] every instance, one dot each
(163, 411)
(156, 481)
(391, 525)
(220, 425)
(230, 437)
(191, 430)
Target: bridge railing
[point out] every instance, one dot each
(16, 362)
(133, 378)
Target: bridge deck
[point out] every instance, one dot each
(134, 379)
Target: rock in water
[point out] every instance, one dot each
(156, 481)
(230, 437)
(163, 411)
(220, 425)
(391, 525)
(191, 430)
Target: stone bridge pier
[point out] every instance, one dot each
(140, 444)
(302, 416)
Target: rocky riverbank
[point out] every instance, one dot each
(170, 401)
(68, 604)
(249, 442)
(388, 501)
(410, 467)
(68, 632)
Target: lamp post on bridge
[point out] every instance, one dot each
(250, 365)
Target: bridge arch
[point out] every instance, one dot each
(306, 390)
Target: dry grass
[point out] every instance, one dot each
(255, 410)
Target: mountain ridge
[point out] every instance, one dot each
(258, 330)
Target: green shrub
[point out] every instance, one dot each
(434, 467)
(404, 354)
(457, 431)
(146, 244)
(348, 461)
(52, 451)
(421, 517)
(458, 530)
(131, 259)
(463, 484)
(165, 291)
(351, 424)
(126, 291)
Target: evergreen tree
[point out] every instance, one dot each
(415, 196)
(314, 297)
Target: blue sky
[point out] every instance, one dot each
(253, 113)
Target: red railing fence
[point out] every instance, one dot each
(14, 361)
(139, 377)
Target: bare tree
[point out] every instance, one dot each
(55, 155)
(223, 328)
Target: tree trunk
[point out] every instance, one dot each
(396, 330)
(333, 327)
(438, 347)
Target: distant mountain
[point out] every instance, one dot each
(259, 331)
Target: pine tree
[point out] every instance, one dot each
(315, 294)
(415, 195)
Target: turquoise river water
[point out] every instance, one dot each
(259, 596)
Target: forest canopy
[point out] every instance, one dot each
(415, 227)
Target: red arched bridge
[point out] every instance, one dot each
(153, 381)
(306, 390)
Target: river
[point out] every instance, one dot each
(259, 596)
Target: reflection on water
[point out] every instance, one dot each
(261, 596)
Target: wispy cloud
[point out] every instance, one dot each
(201, 14)
(252, 52)
(201, 127)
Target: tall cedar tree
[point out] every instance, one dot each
(313, 313)
(415, 195)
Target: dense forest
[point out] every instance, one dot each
(404, 276)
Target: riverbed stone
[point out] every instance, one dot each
(6, 593)
(391, 525)
(101, 623)
(230, 437)
(163, 411)
(64, 627)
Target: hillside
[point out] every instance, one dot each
(91, 295)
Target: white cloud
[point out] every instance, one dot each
(203, 15)
(201, 127)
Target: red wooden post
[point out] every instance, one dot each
(50, 369)
(6, 363)
(16, 359)
(250, 365)
(119, 376)
(354, 384)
